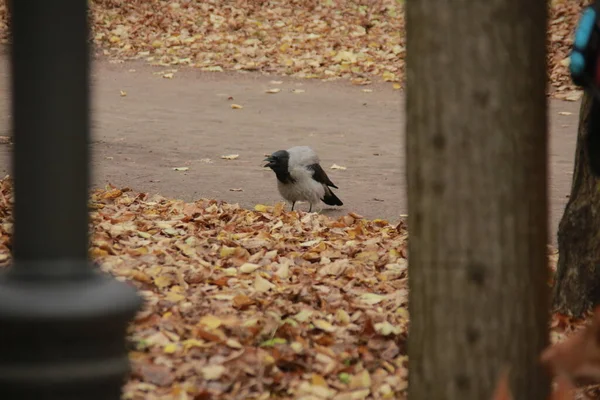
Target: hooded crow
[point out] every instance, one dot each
(301, 178)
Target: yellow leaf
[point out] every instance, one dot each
(318, 380)
(362, 380)
(388, 76)
(188, 344)
(163, 281)
(402, 313)
(261, 208)
(170, 348)
(385, 328)
(181, 168)
(123, 93)
(324, 325)
(227, 251)
(230, 157)
(168, 75)
(247, 268)
(273, 91)
(262, 285)
(236, 106)
(210, 321)
(342, 317)
(397, 86)
(174, 297)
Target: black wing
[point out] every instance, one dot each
(320, 176)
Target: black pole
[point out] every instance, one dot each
(62, 324)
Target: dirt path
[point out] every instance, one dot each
(165, 123)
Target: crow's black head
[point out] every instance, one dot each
(278, 162)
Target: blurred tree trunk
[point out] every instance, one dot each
(577, 281)
(477, 197)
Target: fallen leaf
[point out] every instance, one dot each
(181, 169)
(324, 325)
(360, 380)
(213, 372)
(371, 298)
(123, 93)
(248, 268)
(236, 190)
(168, 75)
(156, 374)
(385, 328)
(230, 157)
(210, 321)
(273, 91)
(236, 106)
(262, 285)
(335, 166)
(262, 208)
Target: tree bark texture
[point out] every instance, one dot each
(577, 281)
(477, 195)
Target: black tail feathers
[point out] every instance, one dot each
(331, 199)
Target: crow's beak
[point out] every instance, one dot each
(270, 160)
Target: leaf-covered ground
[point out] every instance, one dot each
(250, 304)
(247, 304)
(361, 40)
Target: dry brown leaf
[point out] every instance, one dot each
(578, 357)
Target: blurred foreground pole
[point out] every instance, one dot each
(62, 324)
(477, 176)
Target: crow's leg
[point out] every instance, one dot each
(310, 208)
(293, 204)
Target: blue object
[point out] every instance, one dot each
(577, 64)
(580, 55)
(585, 29)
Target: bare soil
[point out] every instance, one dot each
(163, 123)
